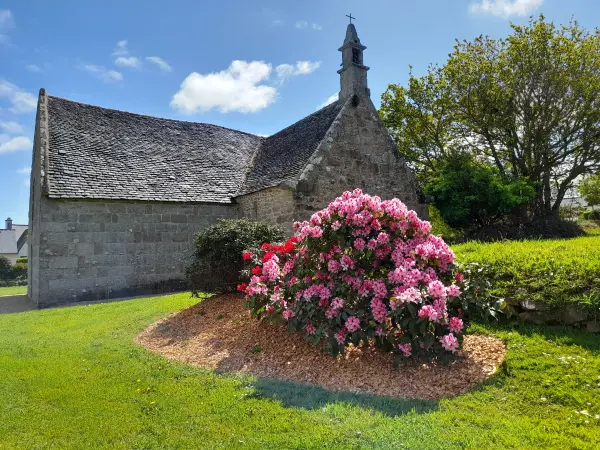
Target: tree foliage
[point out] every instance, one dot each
(529, 104)
(589, 189)
(467, 192)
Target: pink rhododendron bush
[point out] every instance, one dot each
(362, 270)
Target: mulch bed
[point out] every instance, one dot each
(219, 334)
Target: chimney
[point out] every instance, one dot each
(9, 223)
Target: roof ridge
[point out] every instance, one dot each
(89, 105)
(282, 156)
(304, 118)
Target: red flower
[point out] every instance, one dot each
(242, 287)
(265, 247)
(246, 256)
(459, 277)
(267, 256)
(256, 270)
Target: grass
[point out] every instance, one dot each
(556, 272)
(13, 290)
(73, 378)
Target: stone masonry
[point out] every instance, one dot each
(273, 205)
(357, 152)
(100, 250)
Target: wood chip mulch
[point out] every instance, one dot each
(219, 334)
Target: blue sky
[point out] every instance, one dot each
(256, 66)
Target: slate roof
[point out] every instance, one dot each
(102, 153)
(9, 239)
(282, 156)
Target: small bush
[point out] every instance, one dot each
(217, 265)
(571, 212)
(363, 270)
(5, 268)
(22, 259)
(441, 228)
(593, 214)
(19, 270)
(11, 283)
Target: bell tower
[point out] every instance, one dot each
(353, 74)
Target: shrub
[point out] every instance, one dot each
(19, 270)
(556, 273)
(441, 228)
(593, 214)
(471, 194)
(11, 283)
(362, 270)
(5, 268)
(216, 266)
(571, 211)
(22, 259)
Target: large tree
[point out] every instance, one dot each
(528, 104)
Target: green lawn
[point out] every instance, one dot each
(73, 378)
(559, 271)
(13, 290)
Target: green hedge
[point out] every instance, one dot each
(555, 272)
(218, 256)
(591, 214)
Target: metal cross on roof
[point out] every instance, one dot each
(350, 16)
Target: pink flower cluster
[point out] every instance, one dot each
(362, 266)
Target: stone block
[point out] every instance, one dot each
(63, 262)
(116, 207)
(85, 218)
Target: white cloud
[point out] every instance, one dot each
(161, 63)
(11, 127)
(15, 144)
(33, 68)
(277, 22)
(21, 101)
(284, 71)
(127, 61)
(329, 101)
(106, 75)
(24, 171)
(505, 8)
(306, 67)
(121, 48)
(316, 26)
(238, 88)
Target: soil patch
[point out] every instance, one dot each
(219, 334)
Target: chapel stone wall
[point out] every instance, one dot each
(272, 205)
(357, 152)
(90, 250)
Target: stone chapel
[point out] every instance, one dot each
(117, 198)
